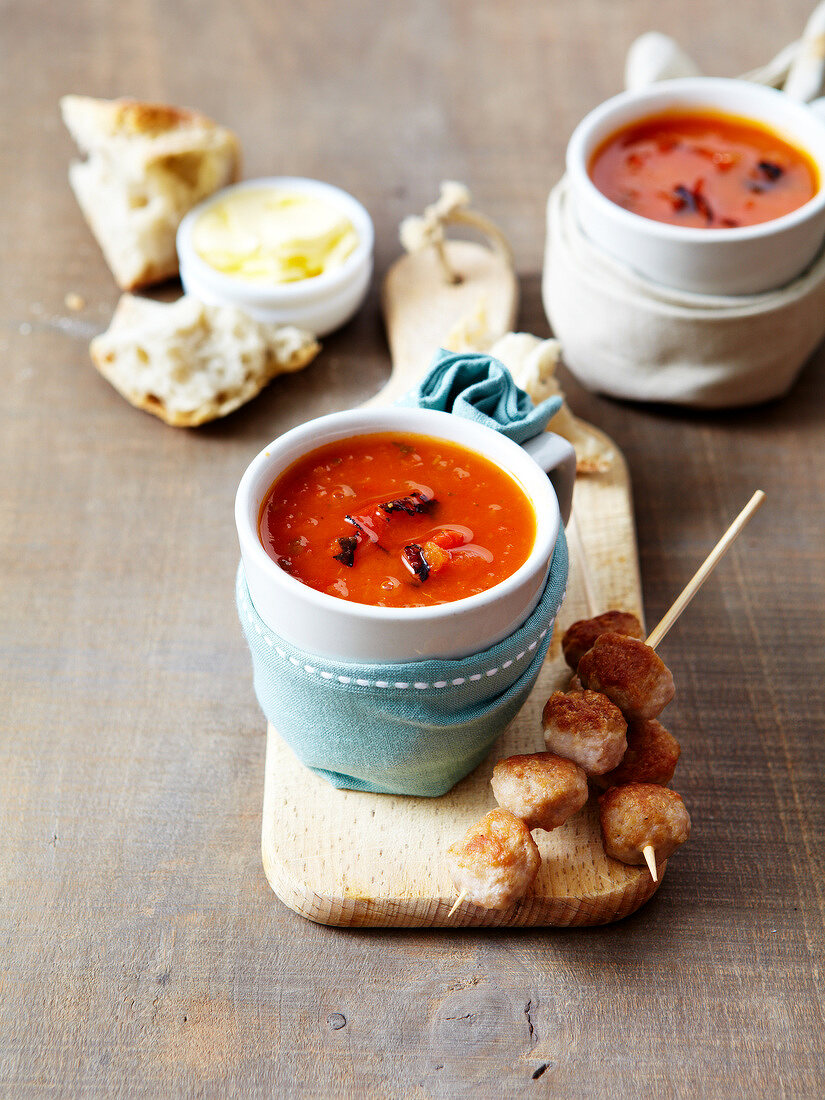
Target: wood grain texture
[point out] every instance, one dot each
(141, 949)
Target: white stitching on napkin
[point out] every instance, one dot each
(419, 685)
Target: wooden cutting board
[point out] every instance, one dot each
(353, 859)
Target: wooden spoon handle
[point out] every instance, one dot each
(422, 310)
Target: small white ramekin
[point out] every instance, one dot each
(745, 260)
(320, 304)
(329, 627)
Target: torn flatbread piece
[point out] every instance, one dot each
(189, 363)
(145, 166)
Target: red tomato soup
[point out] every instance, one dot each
(397, 521)
(705, 170)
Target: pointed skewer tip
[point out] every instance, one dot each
(650, 857)
(458, 902)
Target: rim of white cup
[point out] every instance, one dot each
(685, 93)
(548, 520)
(280, 293)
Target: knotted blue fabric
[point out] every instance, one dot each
(417, 727)
(480, 388)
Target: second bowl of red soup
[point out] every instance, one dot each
(703, 169)
(707, 185)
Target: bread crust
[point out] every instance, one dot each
(146, 165)
(188, 363)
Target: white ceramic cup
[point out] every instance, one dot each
(744, 260)
(338, 629)
(320, 304)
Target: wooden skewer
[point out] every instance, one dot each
(704, 571)
(458, 902)
(678, 605)
(684, 598)
(650, 856)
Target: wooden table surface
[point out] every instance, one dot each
(141, 949)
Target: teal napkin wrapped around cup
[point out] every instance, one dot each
(415, 727)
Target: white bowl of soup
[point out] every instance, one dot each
(707, 185)
(400, 534)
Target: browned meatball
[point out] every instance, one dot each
(540, 788)
(651, 757)
(580, 636)
(584, 726)
(639, 814)
(496, 862)
(629, 673)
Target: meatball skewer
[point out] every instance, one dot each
(651, 757)
(623, 644)
(585, 727)
(643, 821)
(630, 673)
(497, 860)
(541, 788)
(493, 863)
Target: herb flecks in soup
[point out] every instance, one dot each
(704, 170)
(397, 521)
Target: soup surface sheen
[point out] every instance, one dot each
(397, 521)
(704, 170)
